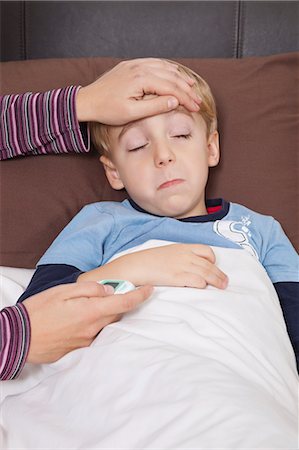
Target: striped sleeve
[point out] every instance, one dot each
(14, 340)
(40, 123)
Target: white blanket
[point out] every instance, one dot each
(190, 369)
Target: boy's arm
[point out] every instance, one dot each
(50, 275)
(281, 262)
(191, 265)
(77, 248)
(288, 294)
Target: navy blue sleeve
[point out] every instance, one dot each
(50, 275)
(288, 294)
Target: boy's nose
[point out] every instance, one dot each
(163, 156)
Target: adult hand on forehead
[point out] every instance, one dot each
(116, 97)
(69, 316)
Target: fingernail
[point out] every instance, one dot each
(225, 283)
(196, 106)
(172, 102)
(108, 289)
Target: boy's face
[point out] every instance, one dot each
(162, 161)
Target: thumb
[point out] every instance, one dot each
(82, 289)
(172, 103)
(108, 289)
(158, 105)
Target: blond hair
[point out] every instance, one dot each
(100, 132)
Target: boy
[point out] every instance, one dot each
(163, 163)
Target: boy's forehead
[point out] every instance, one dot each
(179, 110)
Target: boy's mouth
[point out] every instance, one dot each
(170, 183)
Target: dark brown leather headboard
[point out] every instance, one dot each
(130, 29)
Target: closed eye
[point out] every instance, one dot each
(179, 136)
(183, 136)
(137, 148)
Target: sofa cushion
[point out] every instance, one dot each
(258, 111)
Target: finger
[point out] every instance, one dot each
(189, 279)
(165, 65)
(171, 68)
(173, 84)
(112, 319)
(199, 281)
(119, 304)
(211, 274)
(130, 300)
(82, 289)
(207, 269)
(183, 81)
(206, 265)
(158, 105)
(102, 323)
(204, 251)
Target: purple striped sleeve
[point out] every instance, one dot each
(41, 123)
(14, 340)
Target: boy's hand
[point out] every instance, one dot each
(191, 265)
(116, 97)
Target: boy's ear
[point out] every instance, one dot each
(213, 149)
(111, 173)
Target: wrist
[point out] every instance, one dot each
(83, 106)
(119, 269)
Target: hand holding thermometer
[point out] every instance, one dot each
(119, 286)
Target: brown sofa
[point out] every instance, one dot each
(258, 110)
